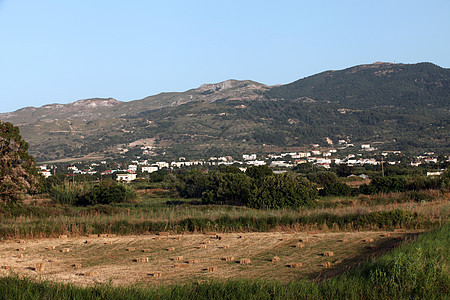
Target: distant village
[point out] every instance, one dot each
(363, 155)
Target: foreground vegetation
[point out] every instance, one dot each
(151, 215)
(416, 270)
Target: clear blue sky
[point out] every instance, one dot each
(59, 51)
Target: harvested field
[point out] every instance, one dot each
(106, 259)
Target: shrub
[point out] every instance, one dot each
(336, 189)
(258, 172)
(231, 188)
(323, 178)
(105, 192)
(285, 190)
(385, 184)
(67, 193)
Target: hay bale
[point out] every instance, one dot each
(202, 246)
(157, 237)
(20, 241)
(171, 249)
(328, 253)
(108, 243)
(275, 259)
(326, 264)
(179, 237)
(103, 235)
(212, 269)
(39, 267)
(343, 240)
(77, 266)
(304, 240)
(164, 233)
(228, 258)
(142, 259)
(210, 233)
(19, 256)
(206, 242)
(90, 273)
(156, 274)
(112, 235)
(299, 245)
(177, 258)
(295, 265)
(225, 246)
(63, 236)
(20, 249)
(87, 242)
(368, 240)
(181, 266)
(245, 261)
(50, 248)
(93, 235)
(64, 250)
(241, 237)
(194, 261)
(5, 267)
(130, 249)
(146, 250)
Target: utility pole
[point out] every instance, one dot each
(382, 167)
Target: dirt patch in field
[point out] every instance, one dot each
(169, 259)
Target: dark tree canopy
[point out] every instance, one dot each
(18, 173)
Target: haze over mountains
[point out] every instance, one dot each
(399, 106)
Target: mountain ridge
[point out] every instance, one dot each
(401, 106)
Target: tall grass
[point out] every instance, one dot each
(418, 270)
(131, 224)
(152, 215)
(68, 193)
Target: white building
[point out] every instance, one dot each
(256, 163)
(249, 157)
(126, 177)
(132, 168)
(45, 173)
(161, 164)
(149, 169)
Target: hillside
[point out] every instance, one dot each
(98, 108)
(401, 107)
(379, 84)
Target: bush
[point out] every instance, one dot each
(285, 190)
(105, 192)
(67, 193)
(228, 188)
(385, 184)
(323, 178)
(336, 189)
(258, 172)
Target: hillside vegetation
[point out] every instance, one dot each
(402, 107)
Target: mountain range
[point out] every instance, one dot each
(398, 106)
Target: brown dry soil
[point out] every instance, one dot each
(106, 259)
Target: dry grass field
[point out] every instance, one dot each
(169, 259)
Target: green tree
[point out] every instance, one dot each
(323, 177)
(258, 172)
(18, 173)
(230, 188)
(336, 189)
(284, 190)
